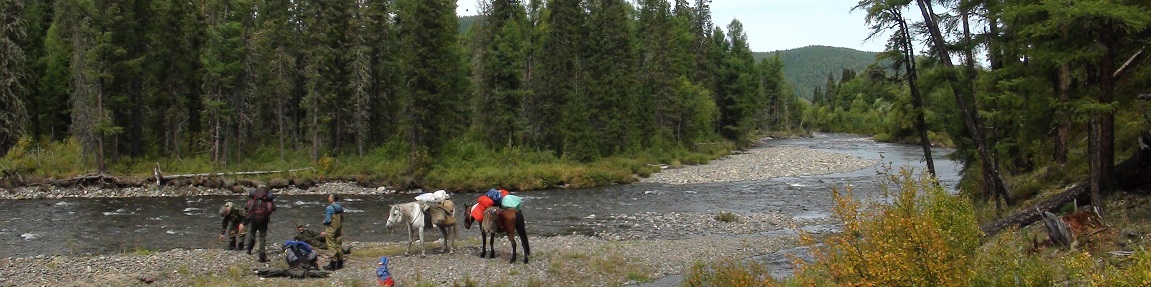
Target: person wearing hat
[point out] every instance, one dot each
(232, 224)
(383, 277)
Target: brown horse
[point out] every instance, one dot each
(500, 220)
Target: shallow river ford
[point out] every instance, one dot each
(83, 226)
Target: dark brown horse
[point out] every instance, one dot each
(500, 220)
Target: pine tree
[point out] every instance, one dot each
(500, 72)
(434, 80)
(738, 102)
(13, 74)
(964, 93)
(610, 79)
(887, 15)
(1086, 37)
(560, 78)
(223, 66)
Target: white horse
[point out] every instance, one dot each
(416, 217)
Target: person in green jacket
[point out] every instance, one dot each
(232, 224)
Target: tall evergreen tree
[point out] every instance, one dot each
(13, 74)
(434, 81)
(560, 78)
(91, 120)
(500, 72)
(1086, 37)
(888, 15)
(738, 102)
(611, 78)
(223, 64)
(992, 179)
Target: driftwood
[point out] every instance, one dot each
(96, 179)
(160, 176)
(1132, 173)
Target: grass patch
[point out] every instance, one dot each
(142, 252)
(729, 273)
(462, 164)
(727, 216)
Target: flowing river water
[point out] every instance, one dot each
(81, 226)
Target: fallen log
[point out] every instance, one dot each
(1132, 173)
(97, 179)
(175, 176)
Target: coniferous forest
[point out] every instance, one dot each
(130, 82)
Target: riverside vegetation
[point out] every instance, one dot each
(927, 237)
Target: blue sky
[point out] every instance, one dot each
(784, 24)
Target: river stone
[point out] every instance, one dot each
(278, 183)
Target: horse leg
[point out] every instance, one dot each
(423, 251)
(492, 244)
(444, 233)
(521, 228)
(452, 234)
(483, 243)
(512, 239)
(409, 253)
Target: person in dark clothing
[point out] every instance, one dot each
(259, 207)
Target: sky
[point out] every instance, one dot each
(773, 25)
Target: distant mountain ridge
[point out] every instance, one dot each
(807, 67)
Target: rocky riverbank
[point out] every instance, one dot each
(555, 261)
(639, 248)
(762, 164)
(51, 192)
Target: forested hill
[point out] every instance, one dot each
(808, 67)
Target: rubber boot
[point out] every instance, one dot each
(331, 266)
(263, 257)
(340, 264)
(232, 244)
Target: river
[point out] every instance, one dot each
(80, 226)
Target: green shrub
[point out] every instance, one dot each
(729, 274)
(727, 216)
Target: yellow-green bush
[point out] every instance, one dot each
(923, 237)
(729, 274)
(52, 158)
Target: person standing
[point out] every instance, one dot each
(259, 207)
(334, 231)
(232, 225)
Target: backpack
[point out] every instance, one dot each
(511, 201)
(495, 195)
(299, 255)
(259, 207)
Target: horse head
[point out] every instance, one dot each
(395, 216)
(468, 219)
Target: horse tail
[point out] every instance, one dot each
(521, 228)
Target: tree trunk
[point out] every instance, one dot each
(1062, 129)
(916, 98)
(1101, 132)
(1132, 173)
(991, 178)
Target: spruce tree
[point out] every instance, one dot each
(13, 74)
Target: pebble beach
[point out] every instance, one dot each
(631, 256)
